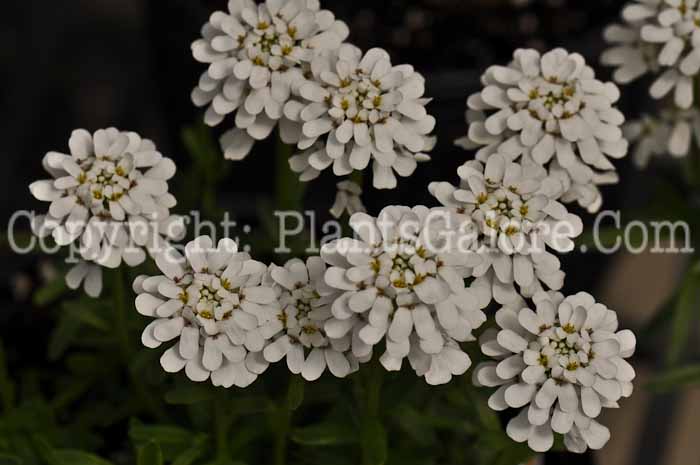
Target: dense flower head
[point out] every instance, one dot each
(517, 216)
(550, 109)
(214, 304)
(256, 53)
(402, 283)
(561, 363)
(298, 331)
(659, 36)
(109, 197)
(356, 108)
(672, 131)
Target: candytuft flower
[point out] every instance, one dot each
(109, 197)
(299, 328)
(549, 109)
(561, 363)
(358, 108)
(213, 304)
(517, 216)
(671, 132)
(402, 282)
(256, 53)
(660, 37)
(348, 199)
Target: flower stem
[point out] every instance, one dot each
(221, 425)
(356, 177)
(120, 311)
(374, 446)
(281, 430)
(289, 190)
(282, 419)
(126, 350)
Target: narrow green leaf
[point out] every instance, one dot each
(326, 434)
(150, 454)
(295, 393)
(188, 394)
(62, 336)
(73, 457)
(162, 434)
(676, 378)
(51, 292)
(189, 456)
(86, 313)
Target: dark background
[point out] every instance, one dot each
(126, 63)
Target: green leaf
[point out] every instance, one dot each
(62, 336)
(683, 315)
(295, 393)
(188, 394)
(162, 434)
(150, 454)
(70, 457)
(51, 292)
(676, 378)
(193, 453)
(87, 312)
(76, 457)
(325, 434)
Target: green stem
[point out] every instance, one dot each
(356, 177)
(281, 431)
(151, 403)
(289, 191)
(120, 313)
(374, 447)
(222, 423)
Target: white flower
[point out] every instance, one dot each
(402, 282)
(547, 108)
(298, 329)
(213, 304)
(360, 108)
(671, 132)
(630, 55)
(517, 217)
(666, 36)
(561, 364)
(348, 199)
(256, 53)
(110, 197)
(89, 275)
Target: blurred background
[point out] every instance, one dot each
(127, 63)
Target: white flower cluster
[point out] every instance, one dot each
(672, 132)
(661, 37)
(550, 109)
(256, 54)
(402, 282)
(230, 316)
(299, 327)
(357, 108)
(561, 364)
(214, 304)
(110, 198)
(516, 214)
